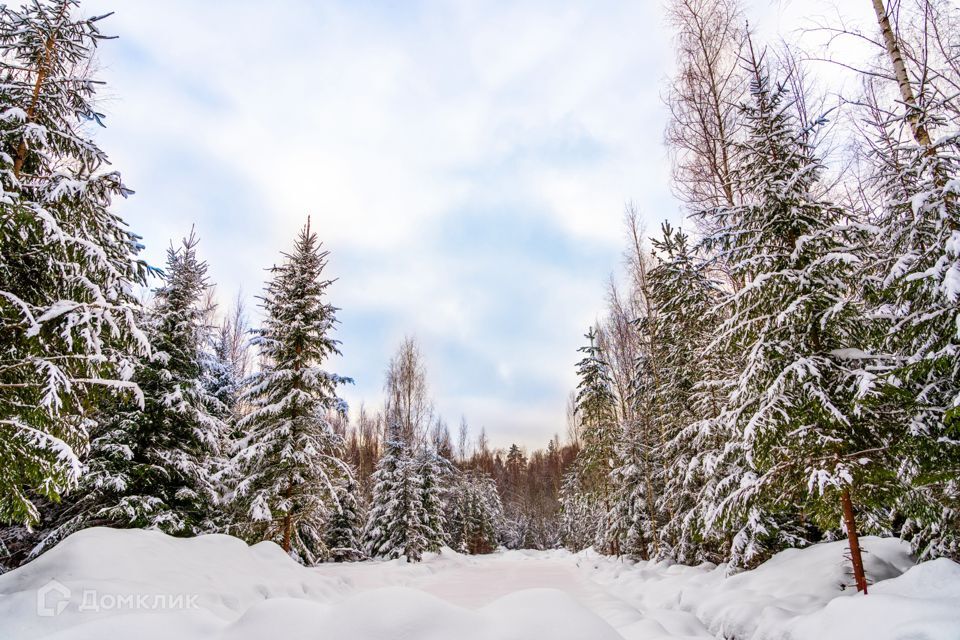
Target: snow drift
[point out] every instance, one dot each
(115, 584)
(802, 594)
(204, 580)
(119, 584)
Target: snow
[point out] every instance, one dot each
(804, 593)
(224, 574)
(921, 604)
(215, 586)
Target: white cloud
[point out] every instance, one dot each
(385, 122)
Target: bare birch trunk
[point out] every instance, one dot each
(920, 133)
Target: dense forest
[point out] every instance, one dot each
(784, 371)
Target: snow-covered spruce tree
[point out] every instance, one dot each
(68, 319)
(687, 404)
(797, 319)
(344, 531)
(518, 530)
(580, 516)
(638, 475)
(627, 518)
(395, 521)
(151, 466)
(228, 364)
(633, 520)
(289, 459)
(434, 470)
(458, 515)
(917, 245)
(596, 406)
(475, 514)
(487, 522)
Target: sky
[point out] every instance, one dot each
(466, 164)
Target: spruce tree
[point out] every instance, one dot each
(518, 533)
(791, 413)
(917, 254)
(68, 267)
(433, 472)
(152, 467)
(628, 518)
(638, 476)
(476, 514)
(289, 459)
(595, 405)
(228, 362)
(395, 522)
(344, 531)
(458, 516)
(686, 296)
(580, 515)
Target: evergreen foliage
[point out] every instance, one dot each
(596, 409)
(152, 466)
(289, 459)
(226, 365)
(476, 514)
(634, 517)
(344, 531)
(688, 397)
(791, 415)
(789, 375)
(917, 291)
(395, 523)
(68, 267)
(595, 405)
(579, 512)
(434, 471)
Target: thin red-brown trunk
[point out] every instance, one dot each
(287, 526)
(287, 522)
(42, 70)
(856, 557)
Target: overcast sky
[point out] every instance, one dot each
(465, 163)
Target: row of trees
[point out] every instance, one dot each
(792, 373)
(424, 492)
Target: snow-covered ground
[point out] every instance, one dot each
(143, 585)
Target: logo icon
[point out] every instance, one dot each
(52, 599)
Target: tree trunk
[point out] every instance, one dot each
(43, 67)
(856, 558)
(288, 491)
(287, 522)
(287, 526)
(920, 133)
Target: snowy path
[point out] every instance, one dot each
(474, 583)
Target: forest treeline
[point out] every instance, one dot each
(785, 371)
